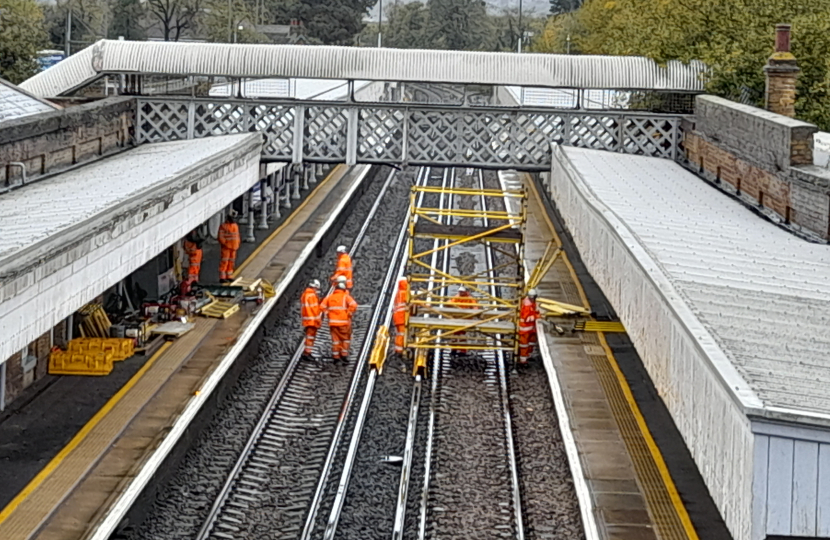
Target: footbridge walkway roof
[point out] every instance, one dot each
(373, 64)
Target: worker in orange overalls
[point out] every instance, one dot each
(312, 315)
(528, 315)
(340, 307)
(463, 299)
(193, 248)
(399, 313)
(344, 268)
(229, 242)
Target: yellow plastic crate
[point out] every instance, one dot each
(119, 348)
(73, 363)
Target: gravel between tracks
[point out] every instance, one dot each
(182, 506)
(549, 503)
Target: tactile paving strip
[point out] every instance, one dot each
(667, 521)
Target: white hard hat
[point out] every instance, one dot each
(462, 288)
(314, 283)
(341, 249)
(341, 284)
(532, 293)
(340, 279)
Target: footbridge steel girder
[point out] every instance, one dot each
(412, 134)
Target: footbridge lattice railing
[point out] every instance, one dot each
(490, 137)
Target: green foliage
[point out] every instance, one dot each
(220, 25)
(558, 7)
(734, 38)
(408, 26)
(559, 35)
(126, 21)
(331, 22)
(453, 24)
(460, 25)
(21, 37)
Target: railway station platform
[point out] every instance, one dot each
(632, 474)
(727, 311)
(87, 488)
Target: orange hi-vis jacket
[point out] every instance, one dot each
(528, 315)
(339, 306)
(311, 311)
(399, 312)
(464, 301)
(229, 236)
(344, 268)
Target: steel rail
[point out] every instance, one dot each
(412, 422)
(385, 298)
(505, 398)
(276, 397)
(361, 364)
(433, 399)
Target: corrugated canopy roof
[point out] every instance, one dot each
(354, 63)
(15, 103)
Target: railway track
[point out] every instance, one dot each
(297, 421)
(340, 453)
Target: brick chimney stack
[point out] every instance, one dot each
(782, 72)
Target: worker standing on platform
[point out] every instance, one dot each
(343, 268)
(193, 248)
(340, 307)
(528, 315)
(229, 241)
(312, 315)
(399, 314)
(463, 299)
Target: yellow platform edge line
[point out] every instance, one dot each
(287, 221)
(81, 435)
(679, 507)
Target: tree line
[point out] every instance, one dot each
(733, 38)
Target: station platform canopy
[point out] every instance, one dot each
(108, 57)
(748, 297)
(67, 238)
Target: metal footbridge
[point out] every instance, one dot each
(188, 91)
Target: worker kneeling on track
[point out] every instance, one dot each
(462, 299)
(312, 315)
(343, 268)
(399, 314)
(229, 241)
(528, 315)
(340, 307)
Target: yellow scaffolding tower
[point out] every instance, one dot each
(437, 320)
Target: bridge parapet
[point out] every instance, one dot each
(763, 158)
(490, 137)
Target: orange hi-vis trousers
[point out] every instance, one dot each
(310, 335)
(194, 265)
(400, 329)
(341, 340)
(526, 342)
(227, 261)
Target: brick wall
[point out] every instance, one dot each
(53, 141)
(764, 158)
